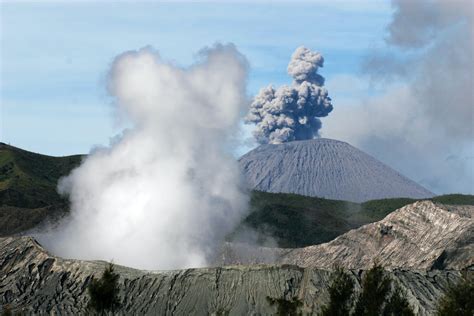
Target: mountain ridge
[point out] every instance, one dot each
(421, 235)
(36, 283)
(290, 220)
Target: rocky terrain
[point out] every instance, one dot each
(422, 235)
(36, 283)
(325, 168)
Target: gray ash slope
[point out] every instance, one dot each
(325, 168)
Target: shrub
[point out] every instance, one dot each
(458, 300)
(7, 311)
(104, 292)
(286, 307)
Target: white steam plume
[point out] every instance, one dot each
(292, 112)
(165, 193)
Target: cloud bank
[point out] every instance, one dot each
(166, 192)
(422, 124)
(292, 112)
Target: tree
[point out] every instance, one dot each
(286, 307)
(397, 304)
(376, 286)
(379, 295)
(104, 292)
(341, 292)
(458, 300)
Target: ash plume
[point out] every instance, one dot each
(292, 112)
(166, 192)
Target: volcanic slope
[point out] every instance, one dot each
(325, 168)
(423, 235)
(34, 282)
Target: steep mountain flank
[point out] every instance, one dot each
(34, 282)
(422, 235)
(417, 236)
(325, 168)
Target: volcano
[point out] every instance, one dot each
(325, 168)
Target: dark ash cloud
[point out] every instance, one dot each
(292, 112)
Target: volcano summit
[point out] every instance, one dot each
(325, 168)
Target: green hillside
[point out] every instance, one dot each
(28, 196)
(28, 179)
(28, 187)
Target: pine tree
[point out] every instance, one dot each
(341, 292)
(397, 304)
(379, 295)
(376, 286)
(104, 292)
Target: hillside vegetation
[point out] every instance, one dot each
(298, 221)
(28, 187)
(29, 180)
(28, 196)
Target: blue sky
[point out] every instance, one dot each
(55, 55)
